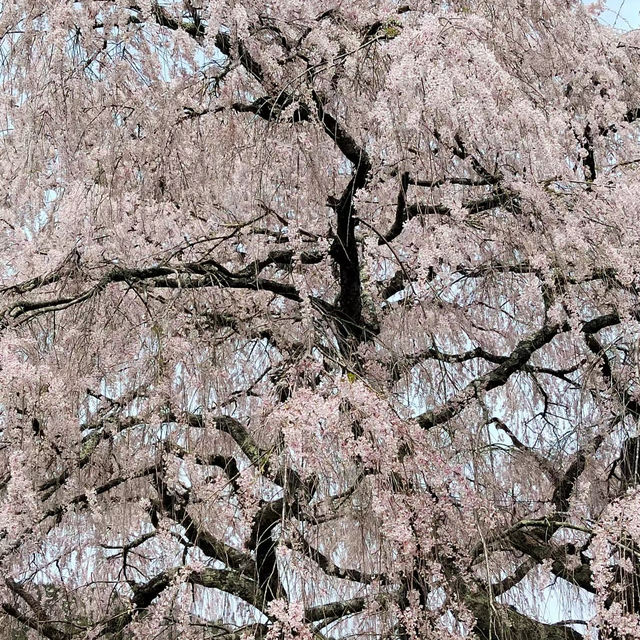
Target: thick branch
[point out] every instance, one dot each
(206, 273)
(176, 508)
(496, 621)
(41, 622)
(45, 629)
(491, 380)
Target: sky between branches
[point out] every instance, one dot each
(623, 14)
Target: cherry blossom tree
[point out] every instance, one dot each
(319, 319)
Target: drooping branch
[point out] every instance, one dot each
(329, 568)
(82, 499)
(41, 622)
(522, 571)
(205, 273)
(498, 199)
(513, 363)
(175, 507)
(541, 460)
(49, 631)
(492, 379)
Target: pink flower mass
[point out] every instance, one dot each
(319, 320)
